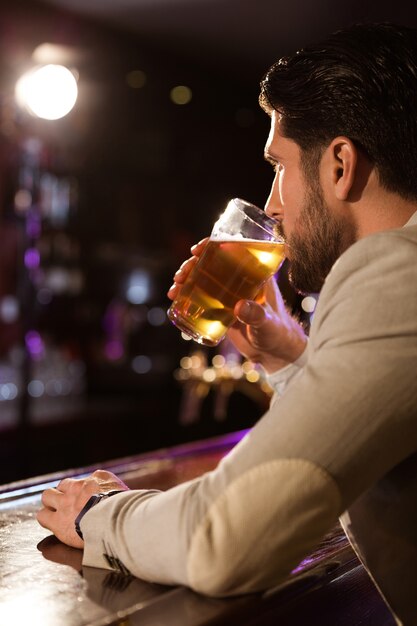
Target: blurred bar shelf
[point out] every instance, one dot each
(43, 583)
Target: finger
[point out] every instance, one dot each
(182, 273)
(180, 277)
(274, 296)
(250, 313)
(238, 333)
(173, 291)
(50, 498)
(198, 248)
(45, 518)
(104, 474)
(71, 485)
(65, 484)
(107, 480)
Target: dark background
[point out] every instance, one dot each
(146, 177)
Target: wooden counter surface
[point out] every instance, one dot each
(42, 582)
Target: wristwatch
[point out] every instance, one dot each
(95, 499)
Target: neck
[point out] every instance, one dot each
(381, 211)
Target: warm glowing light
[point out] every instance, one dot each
(247, 366)
(186, 362)
(266, 258)
(22, 200)
(252, 376)
(308, 304)
(218, 360)
(136, 79)
(214, 329)
(181, 94)
(209, 375)
(49, 91)
(236, 372)
(196, 361)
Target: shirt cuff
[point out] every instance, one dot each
(280, 379)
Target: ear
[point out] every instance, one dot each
(343, 161)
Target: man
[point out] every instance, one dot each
(340, 438)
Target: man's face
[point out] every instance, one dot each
(315, 234)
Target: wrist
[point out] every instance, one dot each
(297, 356)
(273, 364)
(92, 501)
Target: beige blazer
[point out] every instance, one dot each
(342, 437)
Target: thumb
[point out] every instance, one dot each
(250, 313)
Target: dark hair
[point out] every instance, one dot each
(360, 82)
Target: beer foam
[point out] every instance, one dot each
(239, 237)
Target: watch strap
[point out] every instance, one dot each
(92, 501)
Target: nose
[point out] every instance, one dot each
(273, 206)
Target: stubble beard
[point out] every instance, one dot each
(319, 238)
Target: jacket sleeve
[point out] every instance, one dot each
(346, 420)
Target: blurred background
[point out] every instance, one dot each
(99, 206)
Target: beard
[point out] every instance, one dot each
(319, 238)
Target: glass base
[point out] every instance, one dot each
(182, 324)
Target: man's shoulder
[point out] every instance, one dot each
(386, 251)
(369, 284)
(388, 242)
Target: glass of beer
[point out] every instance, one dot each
(244, 250)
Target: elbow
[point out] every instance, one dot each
(220, 570)
(254, 534)
(222, 580)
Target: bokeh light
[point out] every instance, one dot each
(49, 91)
(181, 94)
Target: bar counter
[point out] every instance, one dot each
(43, 583)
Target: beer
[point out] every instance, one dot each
(226, 272)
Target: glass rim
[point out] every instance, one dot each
(269, 224)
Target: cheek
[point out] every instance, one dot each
(292, 196)
(291, 188)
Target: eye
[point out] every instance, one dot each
(276, 165)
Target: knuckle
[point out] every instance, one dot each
(88, 485)
(66, 483)
(100, 473)
(183, 267)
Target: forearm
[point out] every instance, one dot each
(209, 534)
(285, 349)
(247, 524)
(341, 425)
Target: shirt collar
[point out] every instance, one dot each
(412, 221)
